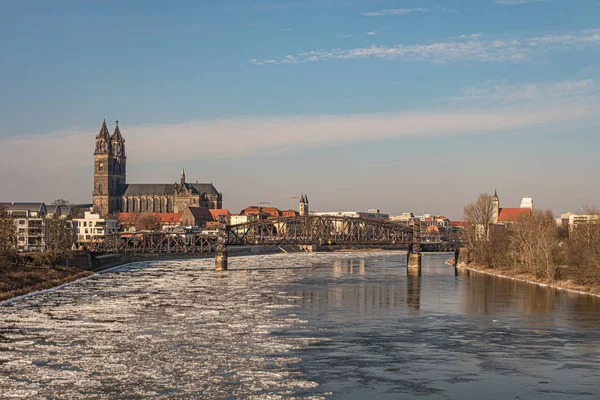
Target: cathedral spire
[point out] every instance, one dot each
(117, 135)
(102, 140)
(103, 132)
(183, 176)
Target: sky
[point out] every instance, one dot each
(401, 105)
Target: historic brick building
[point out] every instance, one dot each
(112, 194)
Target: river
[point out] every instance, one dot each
(339, 326)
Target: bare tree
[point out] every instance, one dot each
(479, 216)
(144, 221)
(583, 246)
(535, 244)
(61, 202)
(8, 239)
(59, 236)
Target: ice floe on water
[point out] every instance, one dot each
(172, 329)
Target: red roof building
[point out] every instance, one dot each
(508, 215)
(511, 214)
(289, 213)
(219, 211)
(459, 224)
(253, 210)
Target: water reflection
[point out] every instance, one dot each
(444, 334)
(489, 294)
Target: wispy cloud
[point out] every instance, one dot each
(392, 11)
(471, 48)
(471, 36)
(517, 2)
(556, 93)
(492, 107)
(372, 33)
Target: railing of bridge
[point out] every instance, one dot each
(154, 242)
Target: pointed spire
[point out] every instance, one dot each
(117, 135)
(183, 176)
(103, 132)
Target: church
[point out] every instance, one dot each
(112, 194)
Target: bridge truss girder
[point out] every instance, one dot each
(307, 230)
(319, 230)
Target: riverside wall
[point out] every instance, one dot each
(97, 262)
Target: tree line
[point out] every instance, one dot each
(534, 243)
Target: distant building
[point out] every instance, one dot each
(29, 220)
(403, 219)
(527, 202)
(59, 212)
(439, 221)
(202, 216)
(508, 215)
(353, 214)
(93, 226)
(237, 219)
(570, 220)
(303, 208)
(112, 194)
(269, 212)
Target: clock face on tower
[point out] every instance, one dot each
(101, 166)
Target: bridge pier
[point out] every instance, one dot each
(221, 249)
(413, 262)
(221, 260)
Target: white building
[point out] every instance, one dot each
(236, 219)
(570, 220)
(29, 219)
(371, 214)
(527, 202)
(92, 225)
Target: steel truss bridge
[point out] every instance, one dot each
(309, 230)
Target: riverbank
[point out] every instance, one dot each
(16, 281)
(566, 283)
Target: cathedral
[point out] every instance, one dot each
(112, 194)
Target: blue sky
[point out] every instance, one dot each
(360, 103)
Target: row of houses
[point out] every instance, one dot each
(30, 220)
(87, 225)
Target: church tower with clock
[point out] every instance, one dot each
(110, 174)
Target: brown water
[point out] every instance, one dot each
(301, 326)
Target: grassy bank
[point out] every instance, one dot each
(17, 281)
(569, 278)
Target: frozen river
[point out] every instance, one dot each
(347, 326)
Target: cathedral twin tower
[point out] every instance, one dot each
(112, 194)
(110, 170)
